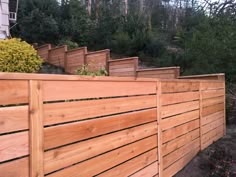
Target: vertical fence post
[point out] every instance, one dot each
(159, 130)
(36, 129)
(200, 113)
(224, 108)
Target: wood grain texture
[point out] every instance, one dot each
(179, 119)
(19, 168)
(180, 141)
(82, 130)
(180, 130)
(36, 130)
(134, 165)
(212, 117)
(70, 111)
(10, 148)
(177, 166)
(175, 109)
(212, 101)
(212, 109)
(52, 90)
(212, 93)
(68, 155)
(13, 119)
(149, 171)
(106, 161)
(179, 153)
(179, 86)
(13, 92)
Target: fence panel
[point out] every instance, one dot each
(180, 115)
(162, 73)
(97, 60)
(213, 112)
(14, 128)
(84, 126)
(125, 67)
(57, 56)
(75, 59)
(43, 51)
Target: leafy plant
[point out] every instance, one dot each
(18, 56)
(85, 71)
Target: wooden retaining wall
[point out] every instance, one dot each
(56, 126)
(220, 76)
(57, 56)
(162, 73)
(43, 51)
(75, 59)
(97, 60)
(125, 67)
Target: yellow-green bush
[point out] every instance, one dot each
(18, 56)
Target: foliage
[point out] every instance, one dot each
(37, 21)
(18, 56)
(84, 70)
(70, 44)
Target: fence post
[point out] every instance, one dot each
(36, 129)
(159, 130)
(224, 108)
(200, 113)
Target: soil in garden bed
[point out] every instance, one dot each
(218, 160)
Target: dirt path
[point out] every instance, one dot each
(218, 160)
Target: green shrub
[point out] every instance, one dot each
(70, 44)
(18, 56)
(85, 71)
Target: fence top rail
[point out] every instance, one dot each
(203, 75)
(42, 46)
(100, 51)
(59, 47)
(157, 69)
(123, 59)
(77, 49)
(53, 77)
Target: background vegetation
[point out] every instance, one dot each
(198, 36)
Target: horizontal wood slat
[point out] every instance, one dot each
(212, 93)
(180, 130)
(170, 87)
(19, 168)
(95, 89)
(179, 153)
(212, 101)
(180, 141)
(69, 111)
(173, 169)
(212, 85)
(106, 161)
(212, 117)
(150, 170)
(179, 119)
(13, 118)
(173, 98)
(13, 92)
(167, 111)
(212, 109)
(68, 155)
(133, 165)
(78, 131)
(14, 146)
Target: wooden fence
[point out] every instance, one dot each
(56, 126)
(220, 76)
(162, 73)
(75, 59)
(125, 67)
(71, 60)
